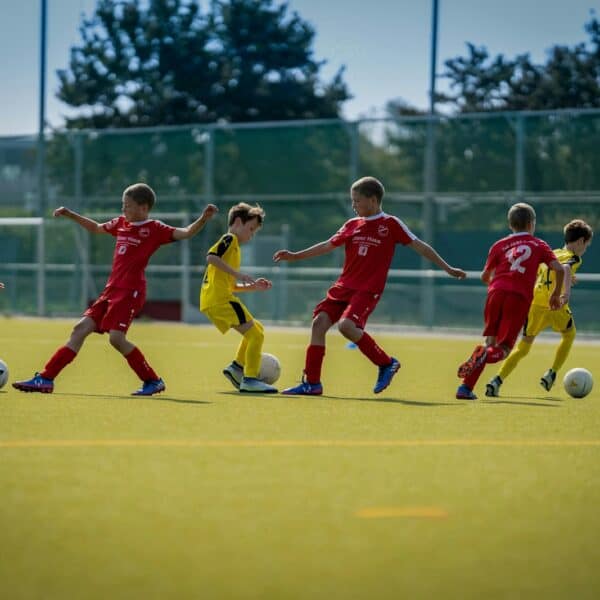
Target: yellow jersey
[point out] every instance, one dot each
(546, 280)
(217, 286)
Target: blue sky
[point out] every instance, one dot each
(384, 45)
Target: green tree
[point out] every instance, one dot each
(164, 62)
(570, 78)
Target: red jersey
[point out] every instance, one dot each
(515, 260)
(136, 243)
(370, 243)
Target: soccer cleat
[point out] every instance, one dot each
(386, 374)
(235, 373)
(474, 361)
(547, 380)
(36, 384)
(256, 386)
(492, 387)
(464, 392)
(304, 388)
(150, 387)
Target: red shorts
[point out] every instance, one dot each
(116, 308)
(504, 315)
(342, 302)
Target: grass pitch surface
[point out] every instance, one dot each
(201, 492)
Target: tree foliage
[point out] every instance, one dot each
(570, 78)
(165, 62)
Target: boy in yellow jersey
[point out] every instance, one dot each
(578, 236)
(224, 309)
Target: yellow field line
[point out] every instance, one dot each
(289, 443)
(382, 512)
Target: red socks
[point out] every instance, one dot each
(314, 362)
(138, 363)
(494, 354)
(59, 360)
(368, 346)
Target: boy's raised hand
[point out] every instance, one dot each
(209, 211)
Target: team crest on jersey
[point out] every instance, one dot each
(383, 231)
(144, 232)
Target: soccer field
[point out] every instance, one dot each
(201, 492)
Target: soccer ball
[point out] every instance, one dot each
(3, 373)
(270, 369)
(578, 382)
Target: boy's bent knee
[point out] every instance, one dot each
(347, 327)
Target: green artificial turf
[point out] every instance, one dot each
(201, 492)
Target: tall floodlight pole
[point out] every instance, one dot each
(429, 174)
(41, 166)
(41, 158)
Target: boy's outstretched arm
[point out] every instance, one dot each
(87, 223)
(183, 233)
(425, 250)
(219, 263)
(316, 250)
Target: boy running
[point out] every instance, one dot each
(510, 273)
(137, 238)
(578, 236)
(370, 241)
(218, 302)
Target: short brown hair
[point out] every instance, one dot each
(576, 229)
(246, 213)
(369, 186)
(520, 216)
(141, 193)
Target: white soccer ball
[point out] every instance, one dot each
(578, 382)
(3, 373)
(270, 369)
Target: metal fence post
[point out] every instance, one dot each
(429, 186)
(209, 166)
(41, 270)
(520, 157)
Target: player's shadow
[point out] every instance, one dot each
(533, 401)
(389, 400)
(154, 398)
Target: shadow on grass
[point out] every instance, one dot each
(370, 399)
(155, 398)
(520, 400)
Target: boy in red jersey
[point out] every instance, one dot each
(510, 272)
(137, 238)
(369, 240)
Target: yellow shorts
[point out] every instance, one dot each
(227, 315)
(540, 318)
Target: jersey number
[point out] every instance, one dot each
(362, 250)
(122, 249)
(517, 256)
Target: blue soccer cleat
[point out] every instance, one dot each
(386, 374)
(235, 373)
(150, 387)
(464, 392)
(304, 388)
(253, 385)
(36, 384)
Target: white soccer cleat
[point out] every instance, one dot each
(492, 387)
(235, 373)
(256, 386)
(547, 379)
